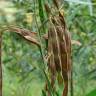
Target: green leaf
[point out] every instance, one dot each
(49, 84)
(41, 13)
(92, 93)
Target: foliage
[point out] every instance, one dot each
(22, 61)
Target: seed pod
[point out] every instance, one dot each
(26, 34)
(51, 62)
(55, 49)
(64, 59)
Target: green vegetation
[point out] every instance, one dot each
(24, 68)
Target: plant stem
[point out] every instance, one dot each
(39, 36)
(0, 66)
(72, 83)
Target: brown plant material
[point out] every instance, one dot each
(65, 59)
(61, 49)
(56, 3)
(51, 64)
(73, 42)
(47, 8)
(55, 46)
(26, 34)
(65, 51)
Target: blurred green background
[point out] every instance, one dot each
(21, 61)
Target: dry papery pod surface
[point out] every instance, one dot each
(59, 48)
